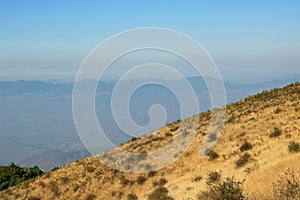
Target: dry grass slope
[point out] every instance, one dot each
(254, 146)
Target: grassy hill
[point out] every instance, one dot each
(259, 146)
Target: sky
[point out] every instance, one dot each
(248, 40)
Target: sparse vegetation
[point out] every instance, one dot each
(175, 127)
(160, 182)
(213, 176)
(213, 155)
(132, 196)
(276, 133)
(91, 197)
(197, 179)
(287, 186)
(231, 119)
(54, 169)
(219, 189)
(151, 173)
(90, 169)
(277, 111)
(243, 160)
(294, 147)
(141, 180)
(125, 181)
(246, 146)
(160, 193)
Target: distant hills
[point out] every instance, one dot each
(257, 157)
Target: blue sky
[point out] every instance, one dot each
(249, 40)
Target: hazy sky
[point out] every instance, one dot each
(249, 40)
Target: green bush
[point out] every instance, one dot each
(294, 147)
(13, 175)
(243, 160)
(246, 146)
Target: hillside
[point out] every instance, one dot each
(259, 129)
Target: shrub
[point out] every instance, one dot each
(213, 177)
(287, 186)
(246, 146)
(54, 169)
(277, 111)
(175, 128)
(243, 160)
(231, 118)
(125, 181)
(160, 193)
(13, 175)
(294, 147)
(160, 182)
(276, 133)
(151, 173)
(213, 155)
(91, 197)
(90, 169)
(226, 189)
(140, 180)
(168, 134)
(132, 196)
